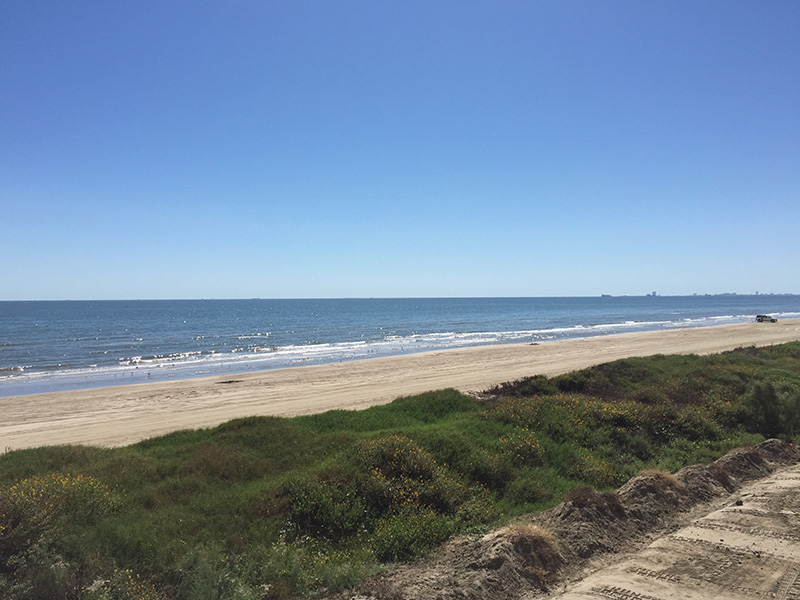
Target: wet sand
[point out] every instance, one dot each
(120, 415)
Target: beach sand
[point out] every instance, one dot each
(120, 415)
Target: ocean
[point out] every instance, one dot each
(64, 345)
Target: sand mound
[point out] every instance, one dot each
(527, 559)
(705, 482)
(498, 565)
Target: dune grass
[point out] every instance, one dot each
(278, 508)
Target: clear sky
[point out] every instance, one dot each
(236, 149)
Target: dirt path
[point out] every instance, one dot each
(748, 549)
(727, 530)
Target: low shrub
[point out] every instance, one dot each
(397, 475)
(34, 511)
(771, 413)
(593, 471)
(477, 509)
(122, 585)
(323, 509)
(491, 470)
(622, 414)
(409, 535)
(395, 456)
(517, 411)
(523, 446)
(661, 422)
(538, 385)
(791, 414)
(633, 442)
(697, 423)
(592, 381)
(529, 491)
(391, 479)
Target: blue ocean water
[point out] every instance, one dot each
(53, 346)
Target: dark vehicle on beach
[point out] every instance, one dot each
(765, 319)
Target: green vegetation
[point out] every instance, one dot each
(270, 508)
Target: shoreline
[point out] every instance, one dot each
(180, 339)
(125, 414)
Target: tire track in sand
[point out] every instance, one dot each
(750, 549)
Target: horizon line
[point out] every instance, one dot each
(294, 298)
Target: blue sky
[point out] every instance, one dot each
(236, 149)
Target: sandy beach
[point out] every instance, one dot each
(114, 416)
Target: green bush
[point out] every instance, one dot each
(538, 385)
(409, 535)
(592, 381)
(772, 413)
(35, 511)
(593, 471)
(764, 409)
(790, 405)
(529, 491)
(516, 411)
(395, 456)
(523, 446)
(633, 442)
(491, 470)
(324, 509)
(661, 422)
(398, 474)
(477, 509)
(122, 585)
(697, 423)
(36, 515)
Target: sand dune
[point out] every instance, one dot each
(125, 414)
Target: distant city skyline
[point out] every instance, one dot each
(357, 149)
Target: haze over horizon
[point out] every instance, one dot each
(247, 149)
